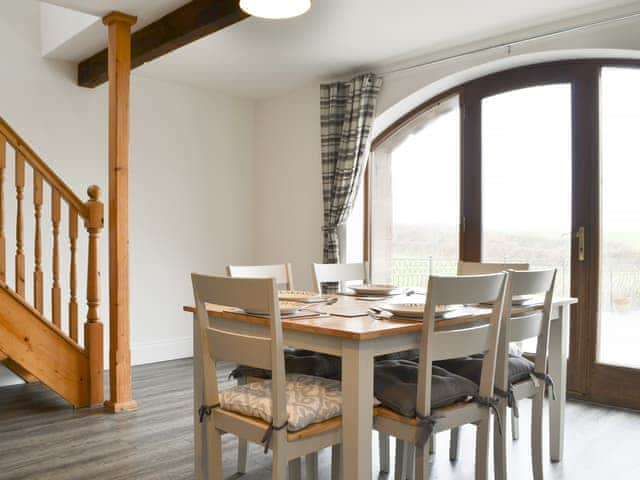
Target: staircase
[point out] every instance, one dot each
(37, 340)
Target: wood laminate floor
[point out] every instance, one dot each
(41, 437)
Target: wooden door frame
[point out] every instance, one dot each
(587, 379)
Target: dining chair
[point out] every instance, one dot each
(517, 380)
(483, 268)
(420, 399)
(293, 415)
(282, 273)
(339, 272)
(479, 268)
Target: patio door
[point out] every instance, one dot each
(614, 353)
(531, 193)
(549, 169)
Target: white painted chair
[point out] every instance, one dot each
(282, 273)
(444, 344)
(339, 272)
(226, 340)
(479, 268)
(515, 329)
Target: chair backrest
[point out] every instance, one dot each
(478, 268)
(281, 273)
(516, 328)
(228, 340)
(339, 272)
(467, 340)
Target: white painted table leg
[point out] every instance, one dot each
(357, 409)
(200, 435)
(558, 350)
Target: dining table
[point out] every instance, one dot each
(349, 330)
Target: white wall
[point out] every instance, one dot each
(288, 187)
(288, 141)
(190, 178)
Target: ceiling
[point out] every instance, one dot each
(262, 58)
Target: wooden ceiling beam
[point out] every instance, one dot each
(187, 24)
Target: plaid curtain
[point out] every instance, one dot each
(346, 116)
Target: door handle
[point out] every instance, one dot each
(580, 237)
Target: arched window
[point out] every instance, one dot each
(537, 164)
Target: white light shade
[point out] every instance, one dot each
(275, 8)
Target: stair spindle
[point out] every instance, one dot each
(38, 278)
(73, 296)
(93, 330)
(19, 181)
(55, 285)
(3, 162)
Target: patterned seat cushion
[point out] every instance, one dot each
(309, 400)
(396, 386)
(304, 362)
(471, 367)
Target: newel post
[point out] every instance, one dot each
(93, 330)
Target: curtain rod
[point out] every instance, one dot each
(512, 43)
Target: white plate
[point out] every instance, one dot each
(415, 310)
(300, 296)
(374, 289)
(412, 310)
(286, 308)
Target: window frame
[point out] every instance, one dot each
(587, 378)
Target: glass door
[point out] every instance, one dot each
(526, 179)
(615, 370)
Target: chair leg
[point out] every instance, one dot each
(536, 434)
(411, 459)
(336, 462)
(515, 426)
(401, 460)
(295, 469)
(214, 456)
(383, 452)
(454, 446)
(432, 447)
(500, 444)
(311, 466)
(280, 466)
(243, 445)
(421, 462)
(243, 455)
(482, 449)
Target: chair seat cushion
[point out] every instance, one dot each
(471, 367)
(309, 400)
(304, 362)
(396, 386)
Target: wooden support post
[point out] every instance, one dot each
(93, 330)
(119, 26)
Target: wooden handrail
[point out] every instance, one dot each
(42, 168)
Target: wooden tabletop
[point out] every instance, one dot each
(348, 318)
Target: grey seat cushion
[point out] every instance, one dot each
(471, 367)
(396, 386)
(307, 362)
(303, 362)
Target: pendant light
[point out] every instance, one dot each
(275, 9)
